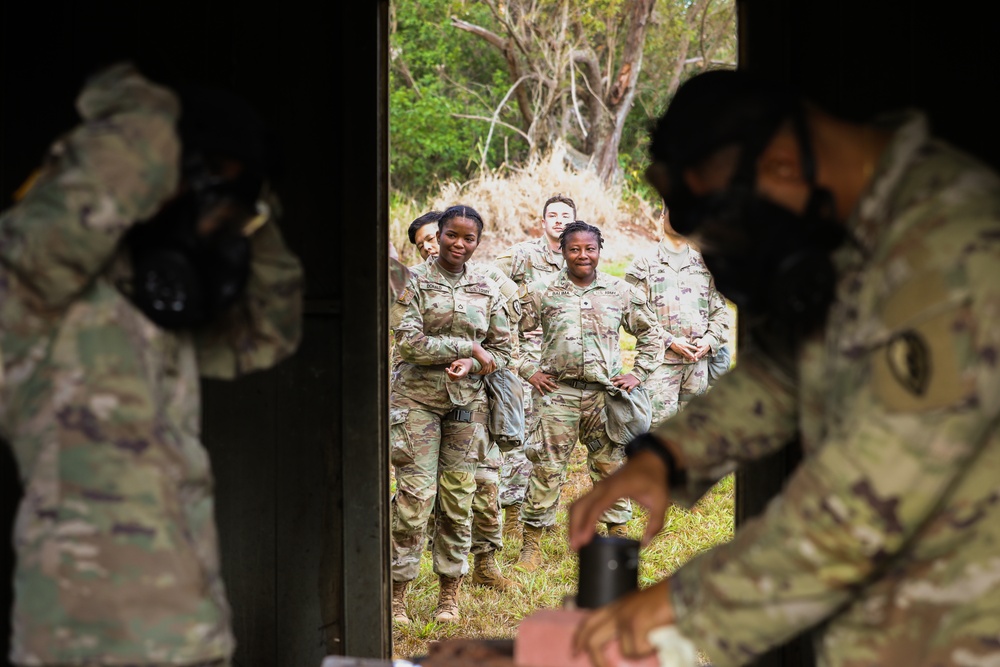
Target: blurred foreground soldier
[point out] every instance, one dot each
(580, 313)
(865, 263)
(128, 268)
(691, 312)
(525, 263)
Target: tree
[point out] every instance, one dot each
(590, 74)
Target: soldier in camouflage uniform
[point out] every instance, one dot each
(580, 313)
(526, 263)
(690, 310)
(450, 328)
(487, 537)
(883, 544)
(117, 558)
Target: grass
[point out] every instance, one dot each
(494, 615)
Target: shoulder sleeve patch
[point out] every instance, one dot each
(922, 366)
(406, 296)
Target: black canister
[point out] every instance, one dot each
(609, 568)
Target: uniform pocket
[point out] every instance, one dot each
(401, 453)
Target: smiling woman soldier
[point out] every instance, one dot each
(452, 329)
(580, 313)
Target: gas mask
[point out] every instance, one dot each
(184, 276)
(775, 265)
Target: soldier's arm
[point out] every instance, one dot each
(530, 297)
(499, 335)
(413, 345)
(118, 166)
(639, 320)
(718, 318)
(848, 510)
(265, 326)
(637, 275)
(507, 264)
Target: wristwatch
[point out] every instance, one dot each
(675, 476)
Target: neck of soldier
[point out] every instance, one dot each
(583, 280)
(674, 240)
(846, 155)
(553, 243)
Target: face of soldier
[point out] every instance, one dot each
(426, 240)
(582, 253)
(458, 239)
(557, 215)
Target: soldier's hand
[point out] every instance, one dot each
(643, 478)
(628, 382)
(630, 619)
(543, 382)
(684, 348)
(485, 359)
(701, 348)
(459, 368)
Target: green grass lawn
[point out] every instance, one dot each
(491, 614)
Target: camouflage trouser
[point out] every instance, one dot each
(516, 466)
(672, 386)
(438, 459)
(566, 416)
(487, 522)
(487, 525)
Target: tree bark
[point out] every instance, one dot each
(606, 132)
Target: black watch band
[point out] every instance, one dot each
(675, 475)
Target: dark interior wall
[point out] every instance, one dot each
(301, 473)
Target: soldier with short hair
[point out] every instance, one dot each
(580, 313)
(140, 258)
(525, 263)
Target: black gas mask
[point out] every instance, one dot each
(775, 265)
(191, 262)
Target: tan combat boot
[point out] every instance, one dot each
(512, 522)
(399, 602)
(447, 609)
(486, 573)
(617, 530)
(531, 550)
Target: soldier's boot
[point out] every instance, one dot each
(447, 608)
(617, 530)
(399, 602)
(512, 522)
(486, 573)
(531, 550)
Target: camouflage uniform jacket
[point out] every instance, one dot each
(525, 263)
(580, 328)
(117, 558)
(886, 536)
(435, 323)
(684, 296)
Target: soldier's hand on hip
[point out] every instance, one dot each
(543, 382)
(628, 382)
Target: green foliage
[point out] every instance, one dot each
(437, 72)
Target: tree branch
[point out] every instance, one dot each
(513, 128)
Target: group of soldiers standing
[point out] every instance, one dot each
(543, 313)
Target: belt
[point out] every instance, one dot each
(580, 384)
(467, 416)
